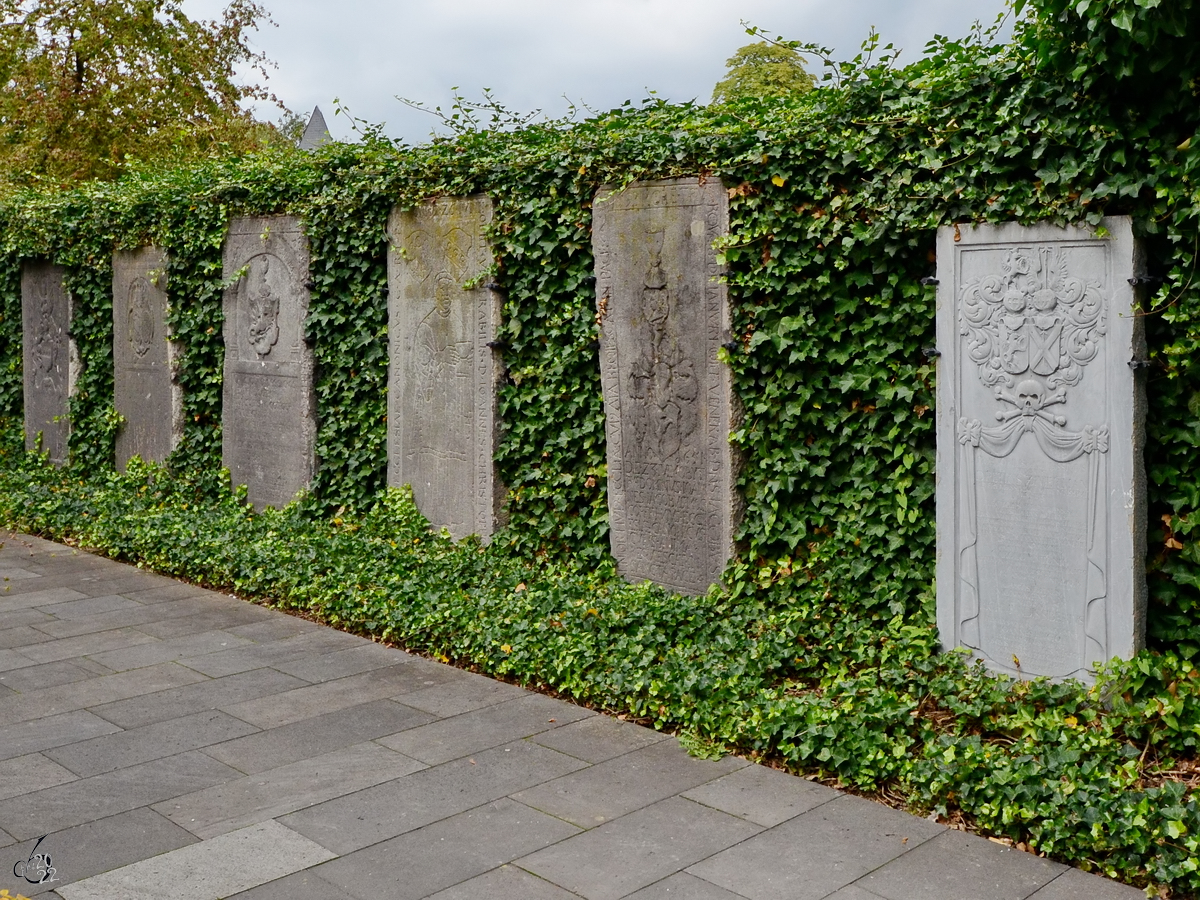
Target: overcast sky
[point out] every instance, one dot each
(532, 52)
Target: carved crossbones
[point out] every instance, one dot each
(1031, 401)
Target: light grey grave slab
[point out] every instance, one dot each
(146, 394)
(442, 374)
(1041, 489)
(668, 399)
(268, 408)
(49, 358)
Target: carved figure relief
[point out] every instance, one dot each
(662, 380)
(443, 352)
(45, 351)
(262, 307)
(1031, 331)
(141, 318)
(443, 373)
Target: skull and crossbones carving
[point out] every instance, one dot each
(1030, 401)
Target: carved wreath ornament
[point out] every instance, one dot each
(1031, 330)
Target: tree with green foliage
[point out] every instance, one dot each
(88, 85)
(763, 69)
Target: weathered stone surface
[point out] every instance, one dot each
(668, 400)
(48, 356)
(443, 376)
(1040, 495)
(269, 412)
(145, 393)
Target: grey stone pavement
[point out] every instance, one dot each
(173, 742)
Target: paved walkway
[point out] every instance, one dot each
(172, 742)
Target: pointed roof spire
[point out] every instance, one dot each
(316, 132)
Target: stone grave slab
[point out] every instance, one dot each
(668, 400)
(1040, 487)
(49, 359)
(269, 411)
(442, 374)
(145, 391)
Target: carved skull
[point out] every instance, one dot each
(1029, 395)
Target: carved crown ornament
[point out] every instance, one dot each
(1031, 331)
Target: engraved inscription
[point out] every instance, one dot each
(668, 402)
(269, 427)
(443, 372)
(47, 358)
(1039, 573)
(145, 392)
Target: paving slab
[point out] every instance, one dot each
(598, 738)
(139, 617)
(26, 616)
(139, 745)
(445, 853)
(20, 636)
(317, 699)
(258, 656)
(95, 847)
(313, 737)
(195, 695)
(622, 856)
(91, 606)
(276, 792)
(965, 865)
(169, 650)
(100, 796)
(611, 789)
(35, 676)
(505, 883)
(358, 820)
(53, 731)
(208, 870)
(761, 795)
(86, 644)
(96, 692)
(194, 615)
(682, 886)
(485, 728)
(31, 772)
(1076, 885)
(304, 885)
(816, 853)
(354, 660)
(462, 695)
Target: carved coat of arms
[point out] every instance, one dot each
(262, 309)
(1031, 330)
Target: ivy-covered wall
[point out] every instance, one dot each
(835, 201)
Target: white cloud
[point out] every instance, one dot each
(531, 52)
